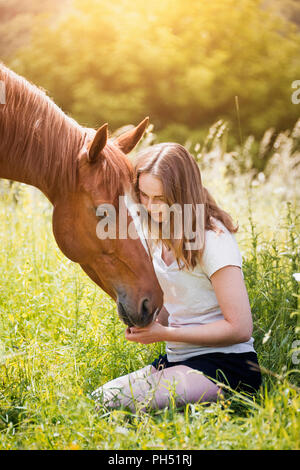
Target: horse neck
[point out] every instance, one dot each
(38, 142)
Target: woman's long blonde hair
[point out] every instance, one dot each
(182, 184)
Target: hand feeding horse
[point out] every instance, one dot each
(77, 169)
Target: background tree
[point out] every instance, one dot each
(117, 61)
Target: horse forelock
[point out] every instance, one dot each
(116, 171)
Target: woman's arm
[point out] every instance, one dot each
(236, 327)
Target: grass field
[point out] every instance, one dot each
(61, 337)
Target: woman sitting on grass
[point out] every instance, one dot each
(206, 318)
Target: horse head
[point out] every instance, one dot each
(121, 267)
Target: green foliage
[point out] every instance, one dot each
(289, 9)
(16, 21)
(119, 61)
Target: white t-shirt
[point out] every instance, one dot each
(189, 296)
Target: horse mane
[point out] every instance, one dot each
(33, 128)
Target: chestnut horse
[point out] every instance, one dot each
(77, 169)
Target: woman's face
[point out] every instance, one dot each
(152, 196)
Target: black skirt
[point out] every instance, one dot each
(232, 369)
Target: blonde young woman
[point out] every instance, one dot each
(206, 319)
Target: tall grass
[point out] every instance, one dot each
(60, 336)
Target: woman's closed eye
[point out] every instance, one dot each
(156, 198)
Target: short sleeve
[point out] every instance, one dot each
(221, 249)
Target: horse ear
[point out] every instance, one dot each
(98, 143)
(129, 139)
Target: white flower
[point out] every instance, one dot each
(266, 337)
(297, 276)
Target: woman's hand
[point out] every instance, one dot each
(153, 333)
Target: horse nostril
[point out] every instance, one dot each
(144, 310)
